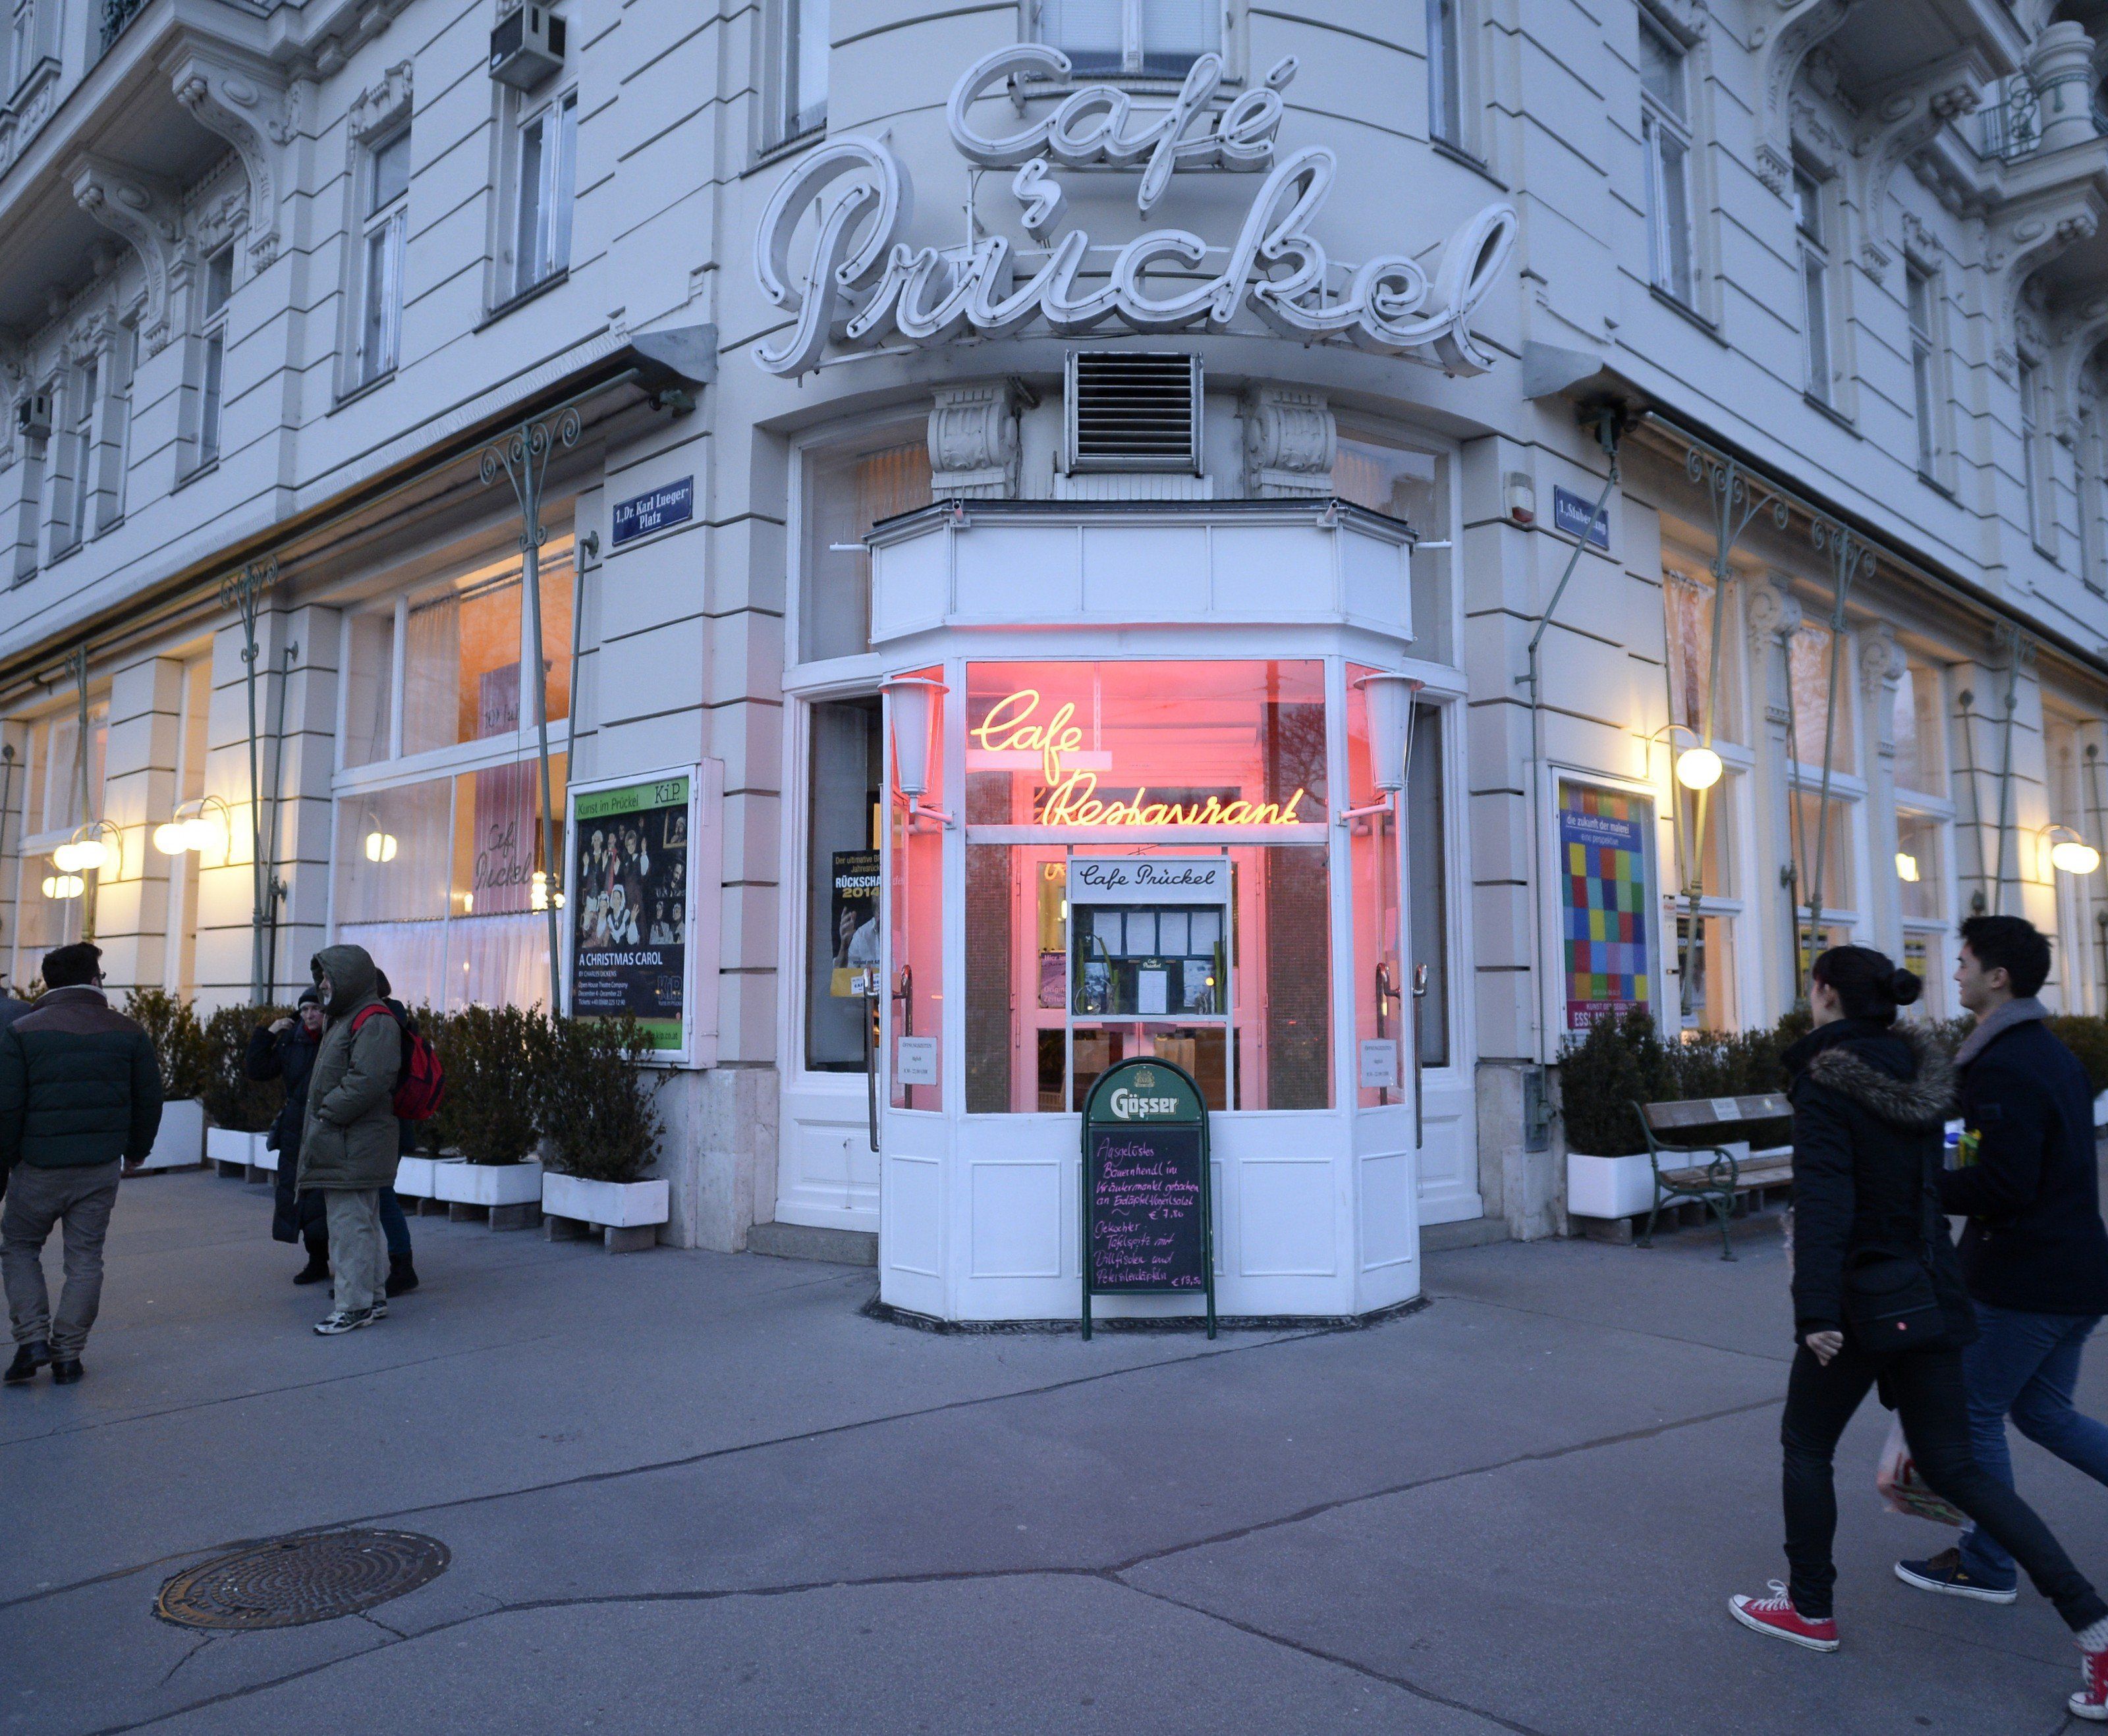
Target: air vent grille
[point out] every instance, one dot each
(1134, 411)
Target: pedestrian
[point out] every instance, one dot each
(1873, 1261)
(285, 1050)
(80, 1094)
(395, 1226)
(349, 1138)
(2034, 1254)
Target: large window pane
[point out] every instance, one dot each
(842, 908)
(916, 994)
(369, 687)
(1145, 744)
(1809, 659)
(848, 488)
(1832, 844)
(1920, 764)
(1919, 870)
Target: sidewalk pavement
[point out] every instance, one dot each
(703, 1493)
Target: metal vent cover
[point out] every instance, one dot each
(1133, 410)
(314, 1576)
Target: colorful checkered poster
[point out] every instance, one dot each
(1603, 900)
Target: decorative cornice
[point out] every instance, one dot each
(973, 441)
(1901, 123)
(1799, 26)
(238, 103)
(148, 213)
(1289, 441)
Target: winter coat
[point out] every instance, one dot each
(80, 1084)
(2034, 1239)
(349, 1138)
(290, 1055)
(1870, 1107)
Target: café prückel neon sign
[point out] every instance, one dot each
(861, 285)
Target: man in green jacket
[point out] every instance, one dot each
(349, 1141)
(80, 1094)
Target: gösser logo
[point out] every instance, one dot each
(861, 284)
(1126, 1105)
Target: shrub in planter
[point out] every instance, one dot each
(494, 1058)
(598, 1116)
(2086, 1036)
(232, 1098)
(179, 1039)
(1620, 1062)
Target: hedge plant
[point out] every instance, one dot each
(232, 1098)
(494, 1058)
(179, 1039)
(598, 1112)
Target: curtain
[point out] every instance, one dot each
(473, 961)
(431, 674)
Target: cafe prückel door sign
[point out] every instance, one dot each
(1148, 1210)
(863, 285)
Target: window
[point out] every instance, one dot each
(1808, 669)
(1918, 867)
(2031, 476)
(1688, 603)
(548, 169)
(846, 487)
(218, 290)
(1921, 763)
(1051, 1001)
(21, 47)
(803, 99)
(1927, 385)
(844, 813)
(1810, 232)
(382, 213)
(1139, 38)
(1666, 142)
(81, 444)
(1445, 72)
(1372, 468)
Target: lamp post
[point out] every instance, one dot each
(1697, 769)
(243, 592)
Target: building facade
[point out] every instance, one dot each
(1328, 550)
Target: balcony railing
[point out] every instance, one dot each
(2012, 125)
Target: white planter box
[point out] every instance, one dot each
(622, 1205)
(181, 1142)
(488, 1183)
(265, 1159)
(1608, 1187)
(413, 1178)
(226, 1145)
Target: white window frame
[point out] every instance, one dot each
(1659, 122)
(2037, 474)
(211, 353)
(84, 436)
(1133, 48)
(799, 30)
(383, 235)
(1921, 305)
(1815, 263)
(1447, 86)
(548, 203)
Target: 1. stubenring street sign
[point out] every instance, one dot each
(864, 286)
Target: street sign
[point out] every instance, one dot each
(1148, 1209)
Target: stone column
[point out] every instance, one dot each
(2060, 68)
(1881, 665)
(1774, 615)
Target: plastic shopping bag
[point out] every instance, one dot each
(1903, 1490)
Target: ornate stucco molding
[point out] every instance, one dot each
(1289, 441)
(973, 441)
(242, 105)
(148, 213)
(1782, 42)
(2020, 244)
(1899, 124)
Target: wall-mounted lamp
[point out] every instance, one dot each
(1906, 868)
(86, 851)
(2070, 853)
(380, 846)
(1388, 697)
(63, 886)
(1697, 768)
(193, 826)
(913, 699)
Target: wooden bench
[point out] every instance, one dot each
(1714, 1185)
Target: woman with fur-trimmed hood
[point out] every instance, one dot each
(1870, 1099)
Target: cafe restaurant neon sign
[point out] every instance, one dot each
(1010, 738)
(861, 283)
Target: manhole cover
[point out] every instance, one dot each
(295, 1580)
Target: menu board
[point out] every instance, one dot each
(1146, 1187)
(1148, 1228)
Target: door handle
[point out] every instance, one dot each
(1419, 995)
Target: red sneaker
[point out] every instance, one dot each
(2091, 1701)
(1777, 1617)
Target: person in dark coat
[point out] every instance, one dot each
(1870, 1099)
(285, 1050)
(394, 1227)
(80, 1096)
(2034, 1252)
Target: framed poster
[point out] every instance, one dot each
(643, 860)
(1605, 845)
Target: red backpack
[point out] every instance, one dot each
(421, 1085)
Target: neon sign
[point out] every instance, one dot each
(862, 284)
(1012, 738)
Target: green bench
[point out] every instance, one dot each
(1715, 1184)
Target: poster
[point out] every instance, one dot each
(632, 905)
(1603, 902)
(853, 921)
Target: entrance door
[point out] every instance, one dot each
(828, 1169)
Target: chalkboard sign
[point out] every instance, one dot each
(1148, 1216)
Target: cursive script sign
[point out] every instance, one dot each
(861, 284)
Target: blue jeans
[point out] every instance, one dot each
(2025, 1364)
(398, 1232)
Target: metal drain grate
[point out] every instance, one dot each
(296, 1579)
